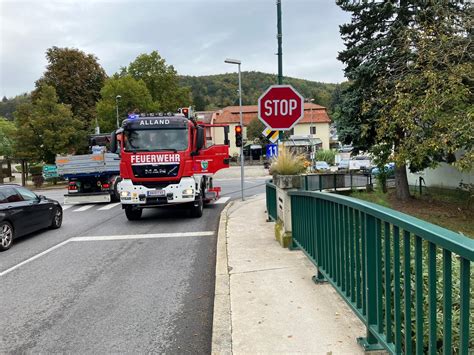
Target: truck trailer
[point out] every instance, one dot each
(92, 178)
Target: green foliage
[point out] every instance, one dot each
(217, 91)
(134, 98)
(287, 163)
(254, 131)
(8, 106)
(46, 128)
(35, 169)
(408, 63)
(160, 79)
(7, 133)
(77, 78)
(432, 101)
(328, 156)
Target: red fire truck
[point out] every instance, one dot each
(167, 160)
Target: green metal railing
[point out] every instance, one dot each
(271, 201)
(336, 181)
(409, 281)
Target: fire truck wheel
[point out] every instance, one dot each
(197, 207)
(115, 196)
(133, 214)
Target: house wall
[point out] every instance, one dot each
(322, 132)
(218, 137)
(444, 176)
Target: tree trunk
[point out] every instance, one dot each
(401, 183)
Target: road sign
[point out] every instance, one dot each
(272, 150)
(271, 135)
(280, 107)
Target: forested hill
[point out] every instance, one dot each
(217, 91)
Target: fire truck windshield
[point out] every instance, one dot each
(152, 140)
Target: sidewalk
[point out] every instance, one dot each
(233, 172)
(265, 300)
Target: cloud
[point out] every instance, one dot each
(194, 36)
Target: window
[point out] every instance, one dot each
(27, 194)
(9, 194)
(312, 130)
(156, 140)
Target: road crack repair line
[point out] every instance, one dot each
(108, 238)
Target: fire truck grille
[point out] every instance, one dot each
(152, 171)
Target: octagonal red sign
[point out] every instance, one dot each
(280, 107)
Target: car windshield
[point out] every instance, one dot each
(148, 140)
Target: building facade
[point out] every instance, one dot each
(314, 124)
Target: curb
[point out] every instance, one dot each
(222, 322)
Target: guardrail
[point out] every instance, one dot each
(271, 201)
(336, 181)
(407, 280)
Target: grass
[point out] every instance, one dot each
(446, 208)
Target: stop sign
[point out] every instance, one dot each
(280, 107)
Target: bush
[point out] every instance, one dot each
(326, 155)
(287, 163)
(35, 170)
(38, 180)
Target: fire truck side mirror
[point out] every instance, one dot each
(200, 138)
(113, 142)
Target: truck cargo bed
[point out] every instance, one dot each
(70, 165)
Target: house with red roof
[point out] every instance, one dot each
(314, 124)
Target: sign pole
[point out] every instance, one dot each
(242, 145)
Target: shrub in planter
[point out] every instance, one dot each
(287, 163)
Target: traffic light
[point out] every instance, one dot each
(184, 111)
(238, 135)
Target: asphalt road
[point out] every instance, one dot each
(103, 284)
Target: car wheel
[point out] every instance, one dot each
(57, 218)
(6, 235)
(133, 214)
(197, 207)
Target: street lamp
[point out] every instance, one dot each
(117, 98)
(311, 115)
(238, 62)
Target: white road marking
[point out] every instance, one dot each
(142, 236)
(109, 206)
(34, 257)
(83, 208)
(222, 200)
(65, 207)
(108, 237)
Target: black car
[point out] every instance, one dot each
(23, 212)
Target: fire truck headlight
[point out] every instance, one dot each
(125, 194)
(188, 193)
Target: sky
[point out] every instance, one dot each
(195, 36)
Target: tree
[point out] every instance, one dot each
(77, 78)
(378, 54)
(134, 97)
(254, 131)
(7, 133)
(432, 101)
(8, 106)
(46, 128)
(161, 80)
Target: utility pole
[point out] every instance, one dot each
(279, 38)
(279, 53)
